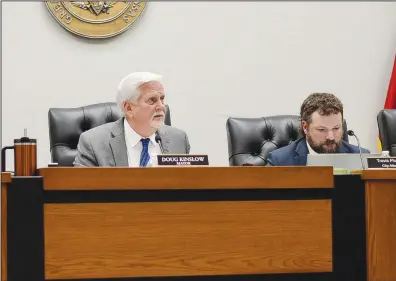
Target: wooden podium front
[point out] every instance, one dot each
(187, 223)
(381, 224)
(134, 234)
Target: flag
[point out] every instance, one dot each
(390, 102)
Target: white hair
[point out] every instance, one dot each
(129, 86)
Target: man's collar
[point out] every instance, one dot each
(310, 150)
(133, 137)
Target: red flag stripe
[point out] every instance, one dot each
(390, 102)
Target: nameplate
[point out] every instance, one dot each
(381, 162)
(182, 160)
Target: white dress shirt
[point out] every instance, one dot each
(135, 147)
(311, 151)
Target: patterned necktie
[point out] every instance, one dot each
(144, 156)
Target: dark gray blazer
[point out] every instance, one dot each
(105, 145)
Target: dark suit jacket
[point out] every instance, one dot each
(295, 154)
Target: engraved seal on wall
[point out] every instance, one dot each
(96, 19)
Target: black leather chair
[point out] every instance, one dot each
(386, 120)
(67, 124)
(250, 140)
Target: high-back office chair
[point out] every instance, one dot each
(386, 120)
(67, 124)
(250, 140)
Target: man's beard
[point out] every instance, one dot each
(320, 148)
(157, 123)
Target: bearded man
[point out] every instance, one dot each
(322, 116)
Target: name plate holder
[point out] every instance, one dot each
(182, 160)
(381, 162)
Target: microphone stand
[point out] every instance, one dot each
(159, 141)
(352, 133)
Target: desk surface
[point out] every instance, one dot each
(379, 174)
(102, 178)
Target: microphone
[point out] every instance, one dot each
(352, 133)
(159, 141)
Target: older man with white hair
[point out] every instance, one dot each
(131, 140)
